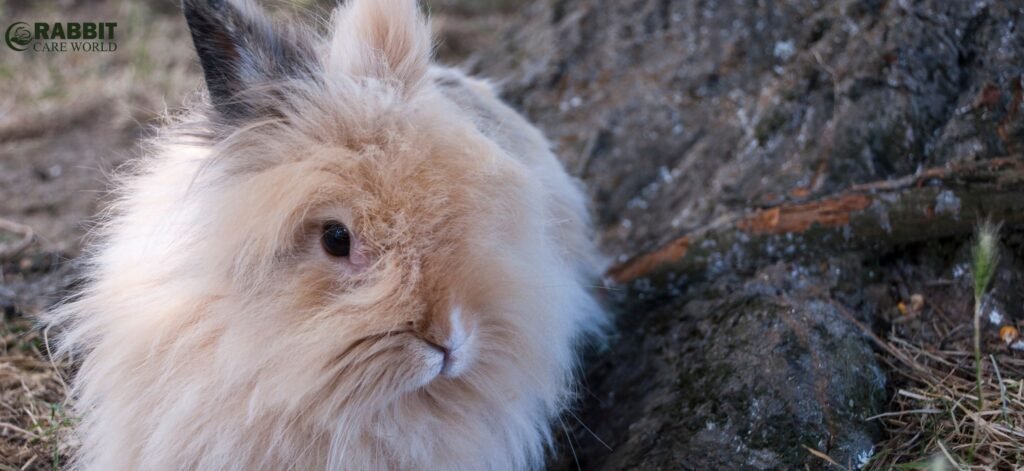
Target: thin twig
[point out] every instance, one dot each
(27, 235)
(1002, 387)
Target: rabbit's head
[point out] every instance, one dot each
(339, 260)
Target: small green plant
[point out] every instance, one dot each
(984, 260)
(48, 432)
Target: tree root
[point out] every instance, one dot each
(938, 202)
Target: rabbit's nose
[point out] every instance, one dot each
(457, 332)
(449, 334)
(459, 345)
(436, 324)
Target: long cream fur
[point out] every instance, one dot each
(214, 332)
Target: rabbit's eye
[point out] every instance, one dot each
(336, 239)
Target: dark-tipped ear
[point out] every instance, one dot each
(240, 49)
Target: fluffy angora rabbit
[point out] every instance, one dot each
(344, 258)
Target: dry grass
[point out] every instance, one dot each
(933, 420)
(152, 66)
(35, 430)
(935, 411)
(960, 407)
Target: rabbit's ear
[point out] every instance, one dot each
(241, 52)
(383, 39)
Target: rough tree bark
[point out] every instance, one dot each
(763, 172)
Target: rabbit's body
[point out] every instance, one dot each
(352, 260)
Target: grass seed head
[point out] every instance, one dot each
(984, 257)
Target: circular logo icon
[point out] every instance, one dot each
(18, 36)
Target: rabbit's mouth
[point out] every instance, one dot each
(418, 362)
(455, 357)
(449, 360)
(445, 356)
(412, 360)
(456, 345)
